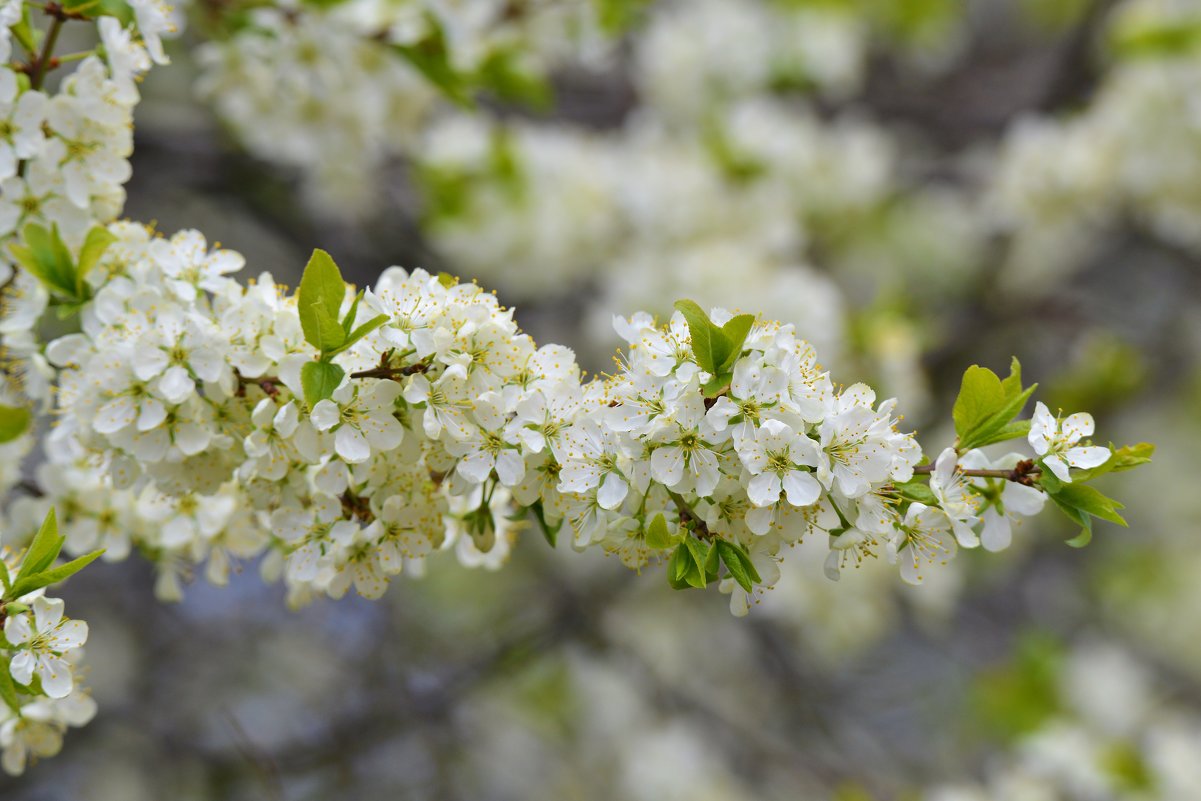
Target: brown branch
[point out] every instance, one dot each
(687, 515)
(268, 383)
(1022, 473)
(386, 370)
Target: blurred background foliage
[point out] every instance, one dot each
(919, 186)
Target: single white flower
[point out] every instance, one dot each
(921, 541)
(1055, 442)
(42, 644)
(956, 497)
(775, 458)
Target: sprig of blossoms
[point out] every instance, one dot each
(349, 436)
(40, 692)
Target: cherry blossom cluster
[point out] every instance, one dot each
(200, 423)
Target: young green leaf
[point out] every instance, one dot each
(14, 421)
(701, 330)
(683, 571)
(657, 535)
(319, 299)
(916, 490)
(46, 256)
(319, 380)
(360, 332)
(986, 406)
(739, 563)
(699, 552)
(97, 242)
(1129, 457)
(54, 575)
(712, 563)
(734, 333)
(42, 551)
(1090, 501)
(549, 532)
(348, 320)
(980, 396)
(8, 688)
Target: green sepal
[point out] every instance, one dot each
(319, 380)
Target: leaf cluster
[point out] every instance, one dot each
(319, 302)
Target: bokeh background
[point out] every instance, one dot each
(918, 186)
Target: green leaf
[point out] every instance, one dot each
(549, 532)
(1085, 536)
(319, 380)
(657, 535)
(680, 568)
(712, 563)
(739, 563)
(348, 320)
(1129, 457)
(916, 490)
(1017, 429)
(42, 551)
(360, 332)
(1091, 501)
(54, 575)
(94, 246)
(318, 301)
(716, 385)
(986, 406)
(8, 689)
(14, 421)
(980, 395)
(700, 556)
(46, 256)
(734, 333)
(701, 329)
